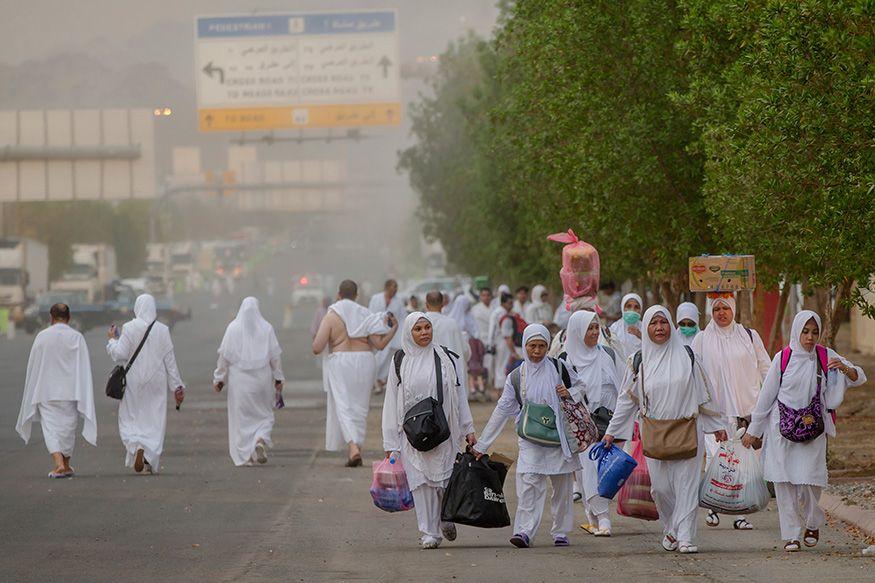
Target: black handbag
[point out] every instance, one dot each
(425, 424)
(118, 378)
(475, 493)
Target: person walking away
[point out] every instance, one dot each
(598, 381)
(539, 311)
(735, 362)
(428, 472)
(58, 390)
(446, 332)
(496, 300)
(351, 333)
(142, 413)
(688, 322)
(249, 363)
(388, 301)
(506, 351)
(482, 312)
(668, 388)
(461, 312)
(540, 381)
(626, 332)
(803, 379)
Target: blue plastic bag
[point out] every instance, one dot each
(614, 467)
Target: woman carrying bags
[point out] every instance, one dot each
(792, 417)
(666, 388)
(598, 381)
(538, 383)
(418, 372)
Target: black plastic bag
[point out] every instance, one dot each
(475, 493)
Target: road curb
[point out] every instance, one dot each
(862, 519)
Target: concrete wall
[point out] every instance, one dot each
(862, 333)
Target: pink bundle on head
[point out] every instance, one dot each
(580, 267)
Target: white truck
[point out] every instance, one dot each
(24, 273)
(93, 269)
(157, 268)
(183, 258)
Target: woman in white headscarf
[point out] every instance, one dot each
(538, 310)
(249, 362)
(669, 385)
(626, 332)
(540, 382)
(428, 472)
(142, 413)
(736, 363)
(598, 380)
(798, 469)
(688, 321)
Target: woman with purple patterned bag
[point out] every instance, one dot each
(792, 418)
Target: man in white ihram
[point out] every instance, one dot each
(446, 332)
(387, 300)
(58, 390)
(351, 333)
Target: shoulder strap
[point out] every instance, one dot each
(399, 356)
(610, 352)
(139, 347)
(692, 355)
(785, 359)
(636, 363)
(438, 373)
(563, 372)
(822, 358)
(749, 333)
(453, 358)
(515, 383)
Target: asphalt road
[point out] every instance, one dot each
(303, 517)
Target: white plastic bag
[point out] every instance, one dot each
(733, 482)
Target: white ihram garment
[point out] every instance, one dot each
(58, 389)
(349, 378)
(675, 389)
(446, 332)
(249, 364)
(378, 305)
(536, 462)
(428, 472)
(142, 413)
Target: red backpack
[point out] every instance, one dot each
(519, 326)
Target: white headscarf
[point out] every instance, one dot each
(620, 336)
(537, 311)
(594, 367)
(460, 311)
(419, 381)
(688, 311)
(729, 359)
(541, 379)
(673, 391)
(631, 296)
(250, 341)
(150, 361)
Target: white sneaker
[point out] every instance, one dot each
(430, 543)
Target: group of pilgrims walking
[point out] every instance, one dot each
(59, 389)
(642, 370)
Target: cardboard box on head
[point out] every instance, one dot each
(722, 273)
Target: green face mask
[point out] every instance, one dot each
(631, 318)
(688, 331)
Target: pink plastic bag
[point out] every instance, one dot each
(580, 267)
(634, 499)
(389, 488)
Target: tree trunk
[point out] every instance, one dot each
(779, 317)
(743, 307)
(834, 311)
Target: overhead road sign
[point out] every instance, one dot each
(295, 71)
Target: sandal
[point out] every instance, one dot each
(138, 461)
(742, 524)
(688, 549)
(561, 541)
(576, 497)
(589, 528)
(354, 462)
(606, 532)
(792, 546)
(669, 543)
(520, 541)
(713, 519)
(58, 475)
(811, 535)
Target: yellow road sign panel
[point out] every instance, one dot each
(299, 117)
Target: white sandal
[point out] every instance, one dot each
(688, 548)
(669, 543)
